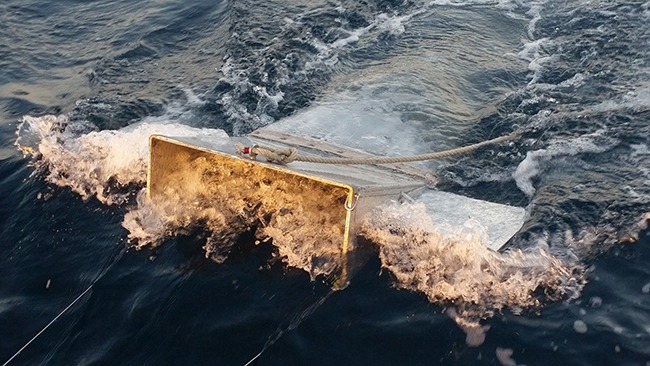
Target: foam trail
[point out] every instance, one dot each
(536, 161)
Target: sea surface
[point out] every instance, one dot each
(84, 83)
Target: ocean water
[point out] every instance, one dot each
(83, 85)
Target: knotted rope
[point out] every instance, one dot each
(288, 155)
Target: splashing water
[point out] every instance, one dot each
(101, 164)
(455, 266)
(224, 199)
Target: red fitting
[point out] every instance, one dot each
(247, 150)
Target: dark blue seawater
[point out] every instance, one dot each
(574, 76)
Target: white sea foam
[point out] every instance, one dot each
(535, 12)
(455, 266)
(393, 25)
(637, 100)
(532, 50)
(535, 53)
(537, 161)
(245, 117)
(536, 65)
(238, 112)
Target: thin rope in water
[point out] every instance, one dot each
(295, 322)
(101, 274)
(288, 155)
(48, 324)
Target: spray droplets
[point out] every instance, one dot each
(580, 327)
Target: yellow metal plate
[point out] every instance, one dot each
(306, 213)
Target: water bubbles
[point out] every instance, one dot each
(595, 302)
(504, 355)
(580, 327)
(475, 332)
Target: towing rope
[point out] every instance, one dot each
(101, 274)
(288, 155)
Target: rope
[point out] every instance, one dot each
(48, 325)
(288, 155)
(101, 274)
(295, 322)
